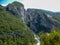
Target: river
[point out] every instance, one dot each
(37, 39)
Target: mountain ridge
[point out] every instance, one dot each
(45, 19)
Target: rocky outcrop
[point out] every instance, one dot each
(17, 9)
(41, 20)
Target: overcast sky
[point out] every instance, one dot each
(53, 5)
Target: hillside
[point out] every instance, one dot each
(52, 38)
(13, 31)
(41, 20)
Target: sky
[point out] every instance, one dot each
(6, 2)
(52, 5)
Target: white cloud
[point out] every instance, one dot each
(53, 5)
(3, 4)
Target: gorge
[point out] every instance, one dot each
(19, 26)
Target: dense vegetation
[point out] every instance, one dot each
(13, 31)
(52, 38)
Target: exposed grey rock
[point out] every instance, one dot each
(17, 9)
(41, 20)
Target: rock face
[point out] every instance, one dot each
(37, 19)
(41, 20)
(17, 9)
